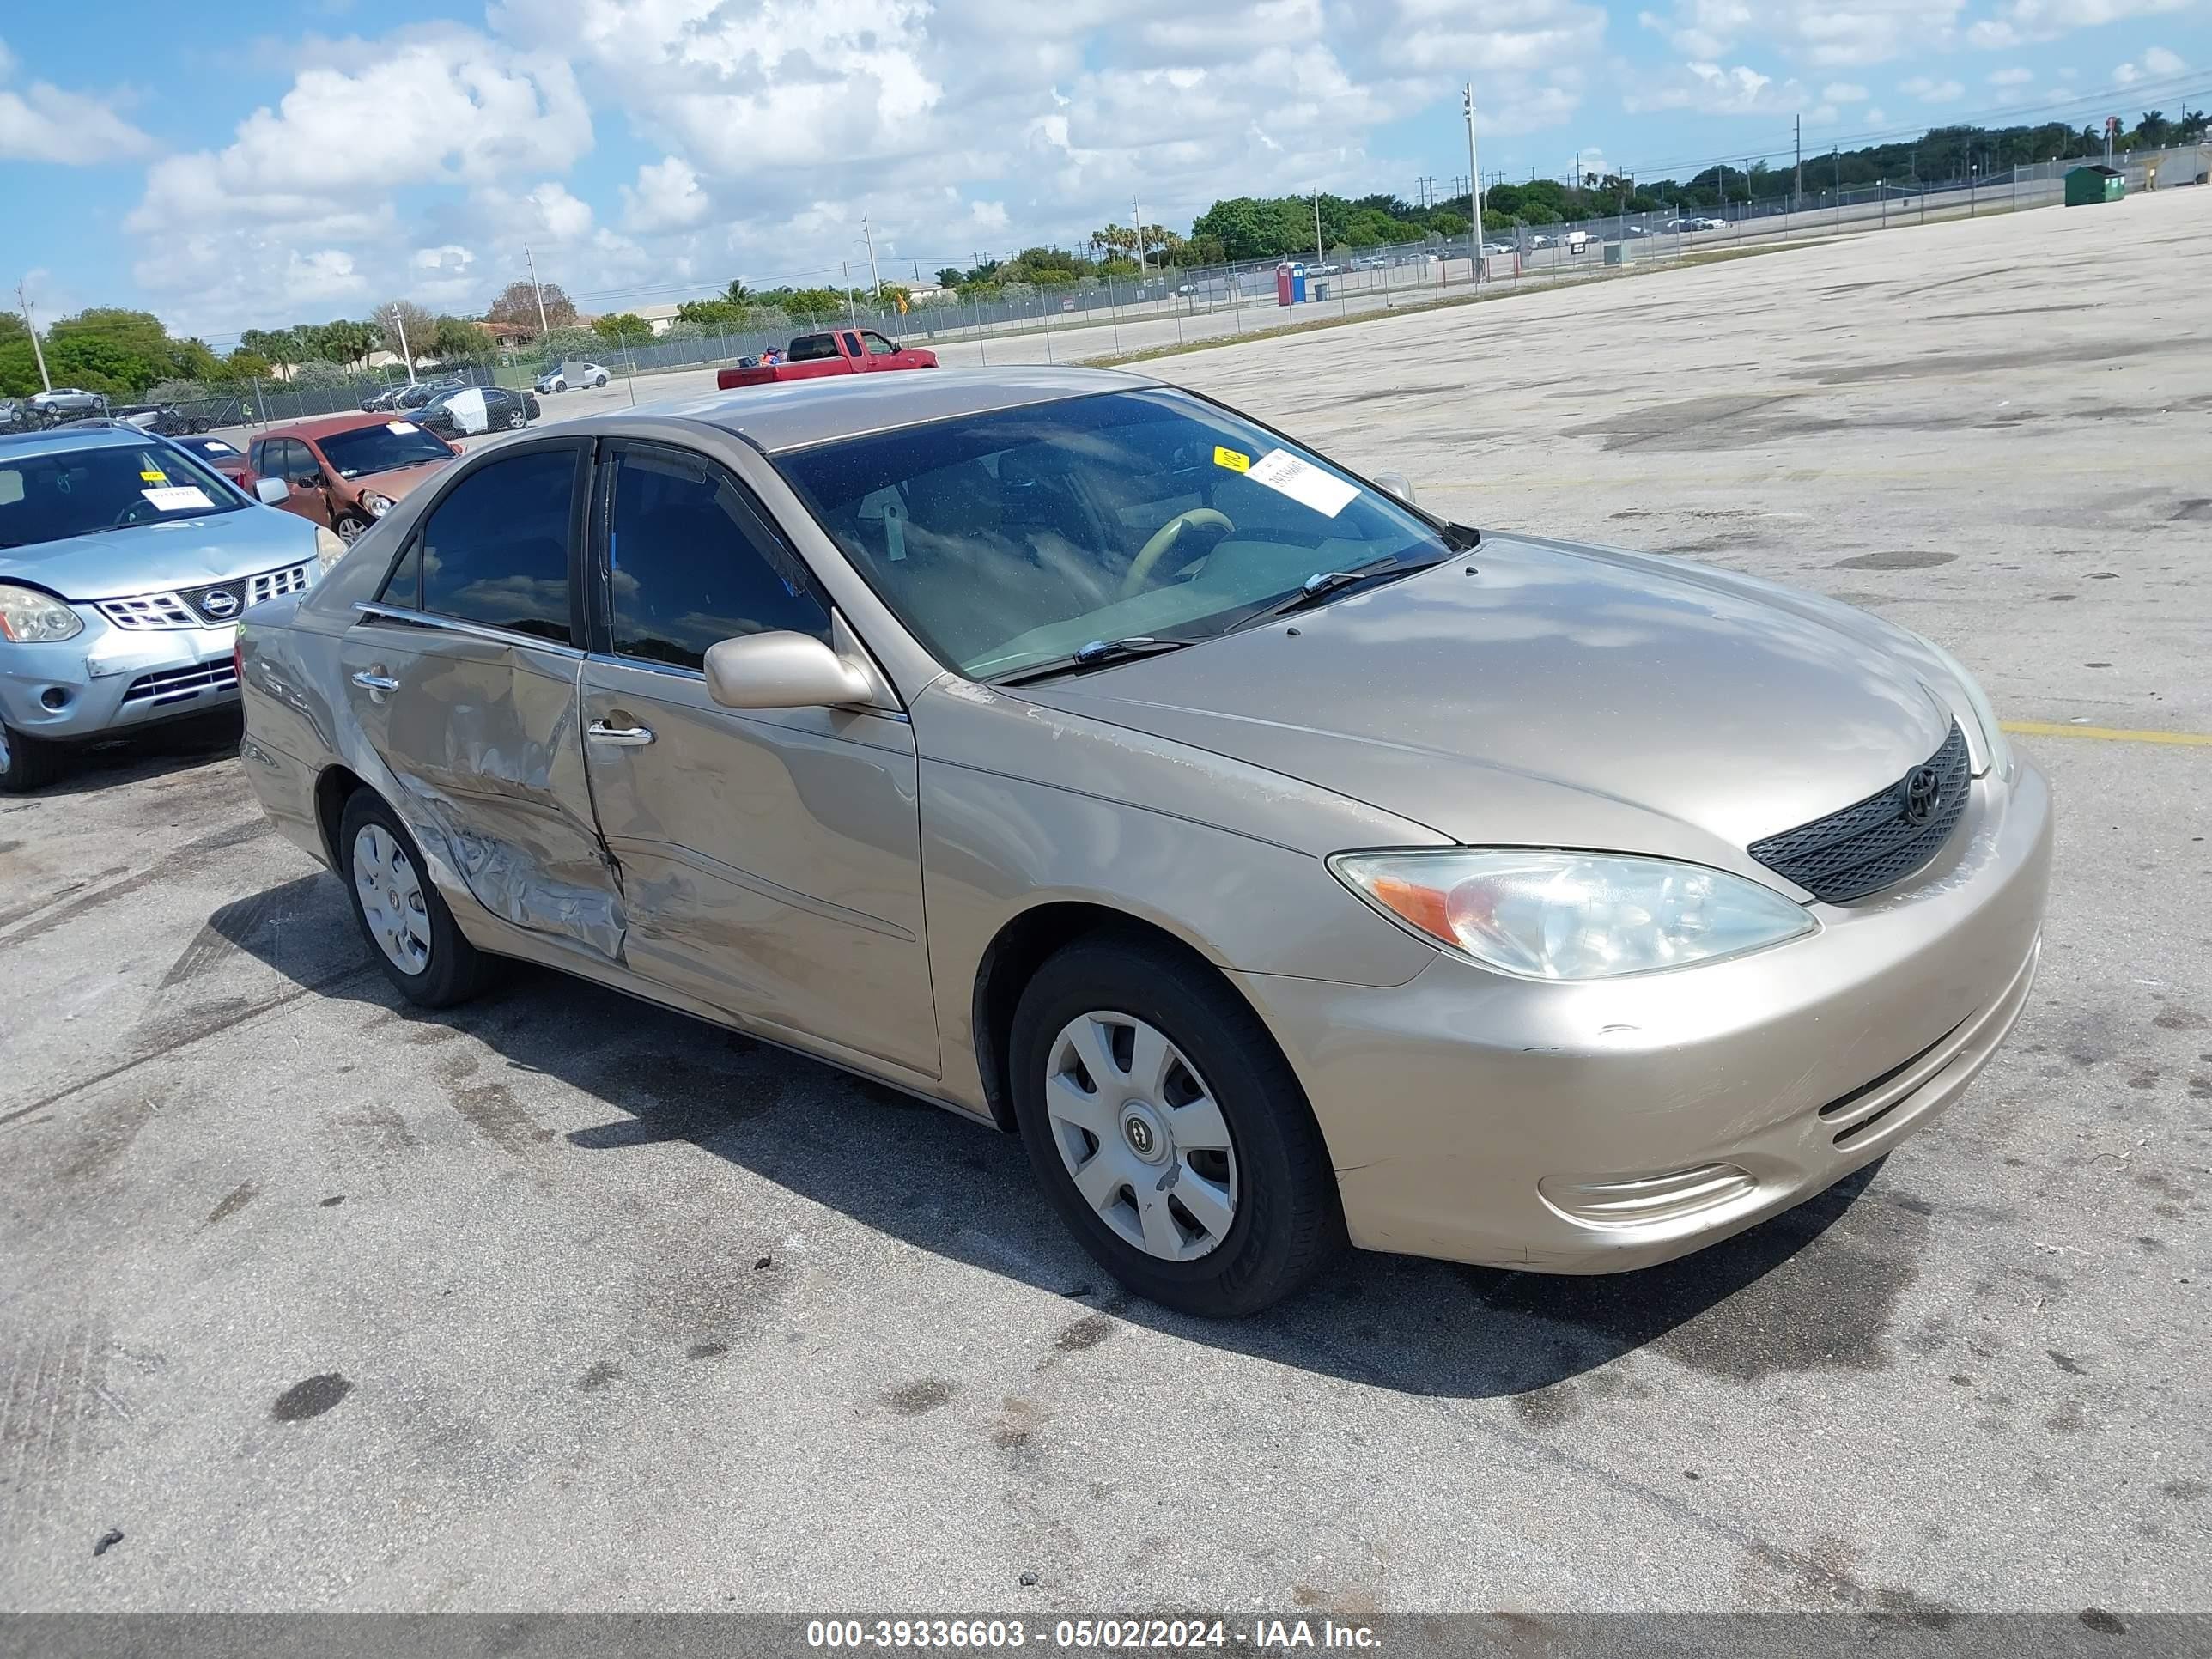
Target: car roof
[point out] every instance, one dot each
(59, 440)
(793, 414)
(326, 425)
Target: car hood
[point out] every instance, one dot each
(397, 484)
(150, 558)
(1537, 693)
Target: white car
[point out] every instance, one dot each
(566, 375)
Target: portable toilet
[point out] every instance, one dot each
(2094, 183)
(1290, 284)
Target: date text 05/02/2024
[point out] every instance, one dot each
(1091, 1635)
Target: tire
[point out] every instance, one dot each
(451, 970)
(1285, 1222)
(518, 419)
(347, 526)
(27, 763)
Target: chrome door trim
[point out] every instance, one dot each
(373, 608)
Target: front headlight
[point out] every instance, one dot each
(329, 550)
(1995, 748)
(30, 618)
(378, 504)
(1571, 915)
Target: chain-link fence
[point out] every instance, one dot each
(1099, 317)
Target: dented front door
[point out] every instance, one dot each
(464, 679)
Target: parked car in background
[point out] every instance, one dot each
(459, 411)
(384, 397)
(1538, 240)
(165, 418)
(843, 352)
(223, 455)
(1500, 247)
(14, 415)
(1280, 887)
(349, 471)
(65, 402)
(563, 377)
(125, 564)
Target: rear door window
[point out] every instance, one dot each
(495, 549)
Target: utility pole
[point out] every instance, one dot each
(37, 351)
(845, 275)
(873, 277)
(1473, 185)
(1317, 249)
(1137, 234)
(406, 352)
(543, 328)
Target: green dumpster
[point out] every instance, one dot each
(2086, 186)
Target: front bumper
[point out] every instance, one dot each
(108, 680)
(1598, 1126)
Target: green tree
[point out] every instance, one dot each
(623, 325)
(455, 339)
(396, 318)
(951, 276)
(517, 304)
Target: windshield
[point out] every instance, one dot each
(52, 497)
(1010, 539)
(384, 447)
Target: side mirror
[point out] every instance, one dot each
(783, 670)
(1394, 483)
(271, 492)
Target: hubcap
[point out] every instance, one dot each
(391, 897)
(348, 529)
(1141, 1135)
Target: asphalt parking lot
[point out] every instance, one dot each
(559, 1302)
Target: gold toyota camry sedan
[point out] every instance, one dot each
(1284, 864)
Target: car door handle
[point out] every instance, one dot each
(369, 680)
(621, 737)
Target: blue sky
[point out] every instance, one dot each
(307, 159)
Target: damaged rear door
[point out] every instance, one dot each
(463, 675)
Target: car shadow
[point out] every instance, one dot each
(155, 751)
(1813, 1289)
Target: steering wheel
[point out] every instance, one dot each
(1140, 567)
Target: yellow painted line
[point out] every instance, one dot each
(2107, 733)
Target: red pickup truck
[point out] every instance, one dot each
(846, 351)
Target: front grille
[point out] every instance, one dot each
(188, 607)
(170, 685)
(1869, 845)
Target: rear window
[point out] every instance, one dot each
(811, 348)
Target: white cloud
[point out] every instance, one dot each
(1711, 89)
(1929, 90)
(1876, 118)
(1825, 33)
(666, 197)
(2044, 20)
(2155, 64)
(42, 123)
(2016, 75)
(1843, 92)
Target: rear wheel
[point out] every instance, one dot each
(517, 420)
(1168, 1131)
(27, 764)
(399, 912)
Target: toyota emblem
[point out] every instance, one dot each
(221, 603)
(1924, 792)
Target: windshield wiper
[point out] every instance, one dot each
(1322, 585)
(1098, 653)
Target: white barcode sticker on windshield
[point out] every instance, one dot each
(1302, 481)
(400, 425)
(177, 498)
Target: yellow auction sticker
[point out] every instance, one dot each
(1231, 459)
(155, 477)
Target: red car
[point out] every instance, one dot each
(347, 470)
(846, 351)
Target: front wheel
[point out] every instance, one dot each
(27, 764)
(1168, 1131)
(349, 528)
(416, 940)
